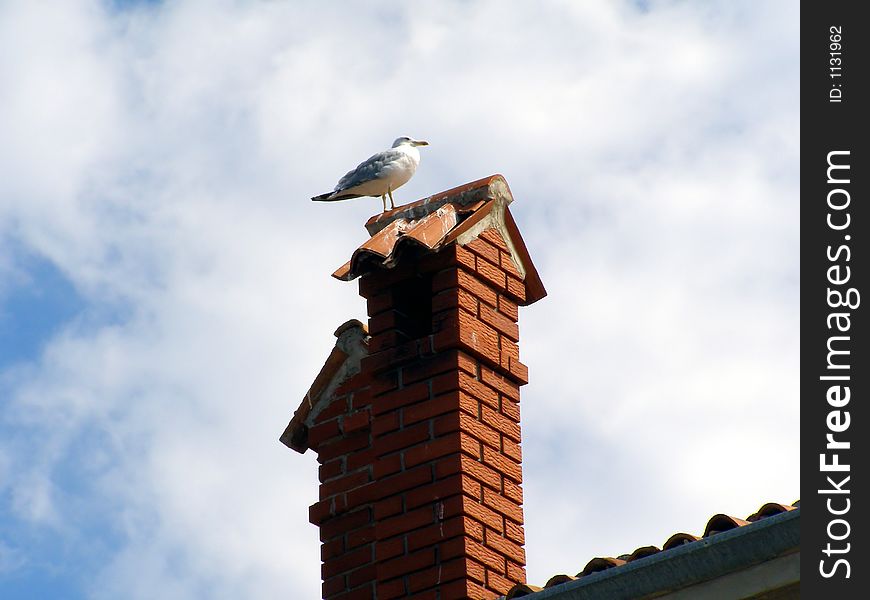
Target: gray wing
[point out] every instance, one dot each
(368, 170)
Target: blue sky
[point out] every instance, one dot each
(165, 297)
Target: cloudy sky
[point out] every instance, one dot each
(165, 289)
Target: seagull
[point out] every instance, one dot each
(380, 174)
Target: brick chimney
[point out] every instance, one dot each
(415, 419)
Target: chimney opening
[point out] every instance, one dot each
(412, 301)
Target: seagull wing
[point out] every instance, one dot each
(368, 170)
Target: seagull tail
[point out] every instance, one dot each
(333, 197)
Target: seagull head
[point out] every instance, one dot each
(406, 141)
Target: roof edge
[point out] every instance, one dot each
(689, 564)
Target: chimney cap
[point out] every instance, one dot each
(457, 215)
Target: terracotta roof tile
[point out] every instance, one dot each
(455, 216)
(770, 509)
(522, 589)
(600, 564)
(716, 524)
(720, 523)
(642, 552)
(558, 580)
(678, 539)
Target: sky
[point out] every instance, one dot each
(165, 289)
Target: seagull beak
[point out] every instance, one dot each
(419, 143)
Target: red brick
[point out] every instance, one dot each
(467, 590)
(500, 383)
(500, 322)
(384, 321)
(337, 407)
(444, 488)
(361, 397)
(466, 280)
(389, 590)
(512, 491)
(331, 469)
(387, 466)
(504, 465)
(346, 562)
(478, 338)
(508, 265)
(492, 236)
(403, 565)
(518, 370)
(462, 567)
(320, 511)
(343, 447)
(323, 432)
(435, 534)
(504, 546)
(357, 460)
(446, 258)
(501, 423)
(510, 409)
(342, 484)
(344, 523)
(516, 572)
(512, 449)
(389, 486)
(388, 507)
(356, 421)
(403, 397)
(361, 576)
(477, 389)
(508, 308)
(499, 503)
(445, 403)
(463, 505)
(402, 439)
(385, 423)
(509, 349)
(485, 249)
(487, 556)
(404, 523)
(516, 289)
(432, 450)
(455, 298)
(491, 274)
(331, 548)
(427, 367)
(444, 573)
(474, 529)
(464, 464)
(379, 303)
(479, 431)
(460, 400)
(436, 364)
(497, 583)
(386, 549)
(447, 382)
(514, 532)
(358, 537)
(383, 383)
(333, 585)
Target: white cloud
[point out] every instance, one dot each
(163, 157)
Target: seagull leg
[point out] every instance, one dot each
(384, 200)
(390, 192)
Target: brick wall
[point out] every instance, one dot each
(420, 459)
